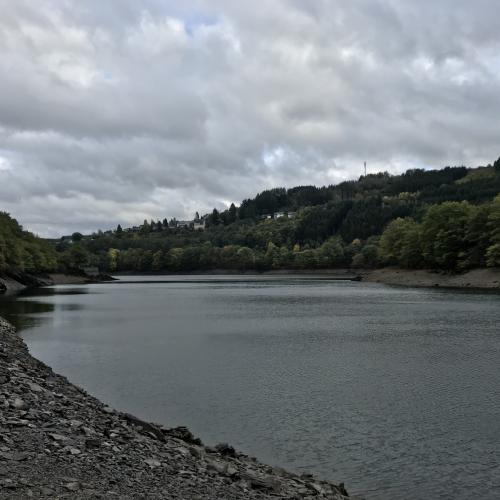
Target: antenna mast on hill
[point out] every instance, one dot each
(365, 168)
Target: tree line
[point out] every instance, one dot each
(441, 219)
(452, 236)
(370, 229)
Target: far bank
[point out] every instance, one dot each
(485, 278)
(488, 278)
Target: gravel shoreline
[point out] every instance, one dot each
(57, 441)
(485, 278)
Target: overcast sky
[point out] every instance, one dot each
(112, 111)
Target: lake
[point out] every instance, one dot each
(394, 391)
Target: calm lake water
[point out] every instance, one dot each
(394, 391)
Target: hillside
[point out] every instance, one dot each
(21, 252)
(439, 219)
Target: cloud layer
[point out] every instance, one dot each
(122, 110)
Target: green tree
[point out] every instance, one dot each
(370, 254)
(367, 257)
(477, 238)
(207, 258)
(113, 258)
(493, 255)
(76, 258)
(392, 240)
(3, 256)
(228, 257)
(232, 213)
(411, 255)
(496, 165)
(214, 218)
(145, 228)
(443, 234)
(245, 258)
(174, 259)
(273, 255)
(146, 261)
(493, 225)
(307, 259)
(191, 258)
(158, 258)
(331, 253)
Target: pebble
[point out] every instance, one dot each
(34, 387)
(72, 486)
(153, 462)
(19, 404)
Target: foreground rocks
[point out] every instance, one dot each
(58, 442)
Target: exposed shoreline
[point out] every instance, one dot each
(57, 441)
(15, 283)
(484, 278)
(488, 279)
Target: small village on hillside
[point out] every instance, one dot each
(198, 223)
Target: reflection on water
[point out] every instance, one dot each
(395, 391)
(23, 313)
(27, 309)
(54, 290)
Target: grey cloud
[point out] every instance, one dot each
(116, 111)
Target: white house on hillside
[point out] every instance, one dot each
(199, 225)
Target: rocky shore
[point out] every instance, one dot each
(57, 441)
(477, 278)
(15, 282)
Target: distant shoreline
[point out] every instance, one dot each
(487, 278)
(484, 278)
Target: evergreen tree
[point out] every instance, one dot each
(145, 228)
(496, 165)
(232, 213)
(214, 217)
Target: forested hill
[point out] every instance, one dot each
(22, 251)
(444, 219)
(431, 186)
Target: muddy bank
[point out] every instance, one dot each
(56, 441)
(477, 278)
(74, 279)
(15, 282)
